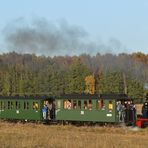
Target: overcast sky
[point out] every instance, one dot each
(120, 24)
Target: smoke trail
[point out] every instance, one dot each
(43, 37)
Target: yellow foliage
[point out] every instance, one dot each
(89, 85)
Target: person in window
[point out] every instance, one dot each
(68, 104)
(36, 106)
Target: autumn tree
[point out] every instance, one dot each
(89, 84)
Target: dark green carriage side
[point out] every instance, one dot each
(103, 108)
(21, 108)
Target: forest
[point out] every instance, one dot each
(29, 74)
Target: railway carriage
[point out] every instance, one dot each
(22, 108)
(90, 108)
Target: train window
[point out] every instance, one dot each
(4, 105)
(90, 105)
(85, 105)
(74, 104)
(100, 104)
(1, 105)
(17, 105)
(8, 105)
(11, 105)
(110, 105)
(26, 105)
(67, 104)
(35, 106)
(79, 104)
(58, 104)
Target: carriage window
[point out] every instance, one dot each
(110, 105)
(11, 105)
(90, 105)
(1, 105)
(67, 104)
(79, 104)
(100, 104)
(85, 104)
(17, 105)
(26, 105)
(35, 106)
(58, 104)
(8, 105)
(4, 105)
(74, 104)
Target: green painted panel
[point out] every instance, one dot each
(96, 115)
(21, 109)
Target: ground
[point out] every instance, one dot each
(32, 135)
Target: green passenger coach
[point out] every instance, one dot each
(22, 108)
(94, 108)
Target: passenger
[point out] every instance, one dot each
(119, 109)
(123, 113)
(132, 112)
(127, 112)
(45, 112)
(68, 104)
(145, 110)
(36, 106)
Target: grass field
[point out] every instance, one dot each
(29, 135)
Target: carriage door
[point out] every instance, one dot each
(50, 109)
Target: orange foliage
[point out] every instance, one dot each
(89, 85)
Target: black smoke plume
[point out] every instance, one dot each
(40, 36)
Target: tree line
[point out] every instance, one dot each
(28, 74)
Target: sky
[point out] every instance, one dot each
(111, 25)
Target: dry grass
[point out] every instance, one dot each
(29, 135)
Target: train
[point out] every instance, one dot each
(72, 108)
